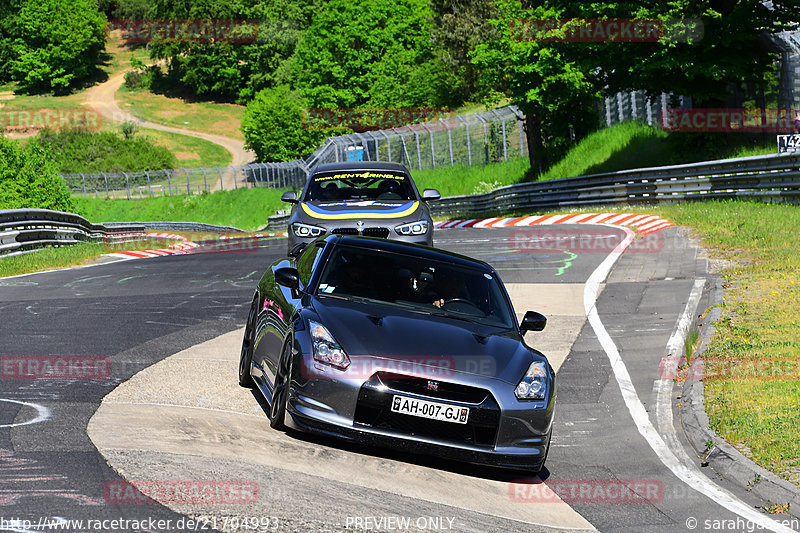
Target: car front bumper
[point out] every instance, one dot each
(501, 431)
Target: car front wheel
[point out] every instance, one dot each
(246, 357)
(277, 408)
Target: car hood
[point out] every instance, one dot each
(418, 339)
(359, 209)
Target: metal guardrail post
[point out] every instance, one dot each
(469, 144)
(169, 183)
(205, 181)
(485, 140)
(105, 178)
(188, 185)
(221, 185)
(419, 151)
(449, 139)
(149, 188)
(233, 169)
(433, 148)
(127, 185)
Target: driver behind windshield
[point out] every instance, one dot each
(449, 286)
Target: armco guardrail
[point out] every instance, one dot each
(774, 178)
(23, 230)
(173, 226)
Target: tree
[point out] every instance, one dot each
(56, 43)
(275, 127)
(363, 53)
(233, 70)
(708, 46)
(458, 26)
(548, 81)
(29, 179)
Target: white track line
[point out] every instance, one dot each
(684, 469)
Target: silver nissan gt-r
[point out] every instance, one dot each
(373, 199)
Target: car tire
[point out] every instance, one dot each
(277, 407)
(246, 356)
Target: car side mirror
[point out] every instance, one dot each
(297, 250)
(288, 277)
(533, 321)
(289, 197)
(431, 194)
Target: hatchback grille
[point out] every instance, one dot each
(376, 232)
(369, 232)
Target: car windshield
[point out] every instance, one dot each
(359, 186)
(416, 284)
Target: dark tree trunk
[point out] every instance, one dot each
(536, 152)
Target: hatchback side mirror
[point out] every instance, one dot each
(533, 321)
(288, 277)
(431, 194)
(289, 197)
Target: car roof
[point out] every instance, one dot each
(360, 165)
(419, 250)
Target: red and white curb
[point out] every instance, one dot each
(642, 224)
(183, 246)
(253, 235)
(179, 248)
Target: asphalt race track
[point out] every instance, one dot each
(172, 324)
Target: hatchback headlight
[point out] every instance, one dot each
(413, 228)
(306, 230)
(326, 349)
(534, 385)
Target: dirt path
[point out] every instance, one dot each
(102, 98)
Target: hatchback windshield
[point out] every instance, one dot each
(359, 186)
(416, 284)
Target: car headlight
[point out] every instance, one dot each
(413, 228)
(306, 230)
(534, 385)
(326, 349)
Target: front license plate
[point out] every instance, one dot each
(431, 410)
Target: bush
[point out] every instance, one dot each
(29, 179)
(57, 42)
(83, 151)
(275, 129)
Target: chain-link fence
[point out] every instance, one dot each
(472, 139)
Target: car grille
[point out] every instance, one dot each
(374, 410)
(376, 232)
(369, 232)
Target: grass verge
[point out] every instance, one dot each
(246, 209)
(52, 258)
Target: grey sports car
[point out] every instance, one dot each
(361, 198)
(399, 345)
